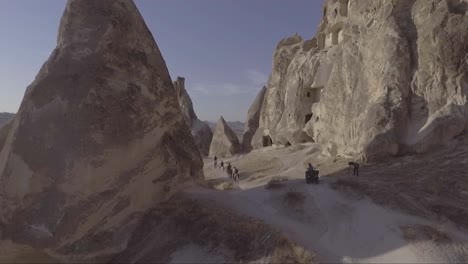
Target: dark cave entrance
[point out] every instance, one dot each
(308, 118)
(267, 141)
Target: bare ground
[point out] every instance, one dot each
(433, 185)
(223, 235)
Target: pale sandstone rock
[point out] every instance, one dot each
(99, 138)
(201, 132)
(252, 120)
(225, 142)
(380, 78)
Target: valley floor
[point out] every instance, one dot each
(371, 218)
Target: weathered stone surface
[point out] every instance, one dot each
(201, 132)
(380, 78)
(252, 120)
(225, 142)
(4, 130)
(98, 140)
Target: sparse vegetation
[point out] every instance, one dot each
(220, 184)
(276, 183)
(421, 185)
(183, 221)
(424, 233)
(294, 198)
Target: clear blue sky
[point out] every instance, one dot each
(223, 48)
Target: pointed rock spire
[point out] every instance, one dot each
(201, 132)
(225, 142)
(98, 140)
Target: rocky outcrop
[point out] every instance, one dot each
(99, 138)
(201, 132)
(4, 131)
(252, 120)
(225, 142)
(5, 117)
(380, 78)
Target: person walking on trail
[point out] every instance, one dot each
(235, 175)
(229, 170)
(215, 162)
(355, 167)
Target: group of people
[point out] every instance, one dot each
(233, 173)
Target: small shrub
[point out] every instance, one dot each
(294, 198)
(424, 233)
(276, 183)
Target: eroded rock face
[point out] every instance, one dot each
(252, 120)
(5, 117)
(380, 78)
(225, 142)
(98, 140)
(201, 132)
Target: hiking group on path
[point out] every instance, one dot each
(233, 173)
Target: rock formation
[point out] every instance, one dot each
(380, 78)
(99, 138)
(4, 131)
(225, 142)
(252, 120)
(5, 117)
(201, 132)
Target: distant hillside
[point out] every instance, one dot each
(4, 117)
(237, 127)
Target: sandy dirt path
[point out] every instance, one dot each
(338, 227)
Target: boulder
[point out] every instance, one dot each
(225, 142)
(252, 120)
(201, 132)
(99, 138)
(380, 78)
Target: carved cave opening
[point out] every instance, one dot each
(314, 94)
(344, 7)
(321, 41)
(337, 34)
(308, 118)
(267, 141)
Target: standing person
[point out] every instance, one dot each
(236, 175)
(229, 170)
(215, 162)
(221, 165)
(355, 167)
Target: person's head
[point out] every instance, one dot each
(310, 165)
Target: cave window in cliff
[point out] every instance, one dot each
(337, 34)
(267, 141)
(321, 40)
(314, 94)
(308, 118)
(344, 6)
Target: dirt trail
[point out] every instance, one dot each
(337, 226)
